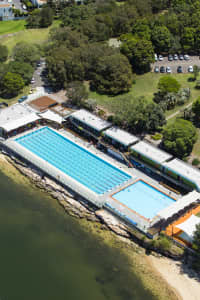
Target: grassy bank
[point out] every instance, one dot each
(137, 260)
(146, 85)
(7, 27)
(35, 36)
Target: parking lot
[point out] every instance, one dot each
(193, 60)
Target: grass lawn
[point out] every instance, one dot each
(37, 36)
(146, 85)
(11, 26)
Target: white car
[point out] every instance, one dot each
(186, 57)
(160, 57)
(190, 69)
(168, 70)
(156, 57)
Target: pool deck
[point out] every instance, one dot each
(100, 201)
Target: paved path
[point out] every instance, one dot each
(177, 112)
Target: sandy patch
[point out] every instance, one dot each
(182, 279)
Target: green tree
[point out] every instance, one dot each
(196, 109)
(76, 93)
(168, 84)
(23, 69)
(138, 115)
(179, 138)
(161, 38)
(113, 75)
(195, 72)
(25, 52)
(139, 52)
(188, 39)
(12, 84)
(3, 53)
(46, 17)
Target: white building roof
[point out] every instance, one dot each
(52, 116)
(178, 205)
(16, 116)
(32, 117)
(151, 152)
(185, 170)
(189, 226)
(91, 120)
(121, 136)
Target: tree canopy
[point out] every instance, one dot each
(179, 138)
(113, 75)
(3, 53)
(168, 84)
(140, 53)
(11, 84)
(25, 52)
(138, 115)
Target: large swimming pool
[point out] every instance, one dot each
(143, 199)
(75, 161)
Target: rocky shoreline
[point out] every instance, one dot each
(73, 205)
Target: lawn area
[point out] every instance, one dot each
(146, 85)
(37, 36)
(11, 26)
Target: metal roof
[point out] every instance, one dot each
(183, 202)
(151, 152)
(52, 116)
(9, 126)
(91, 120)
(185, 170)
(121, 136)
(16, 115)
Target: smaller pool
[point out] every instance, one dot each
(143, 199)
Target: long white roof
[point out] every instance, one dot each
(151, 152)
(121, 136)
(52, 116)
(32, 117)
(90, 119)
(16, 115)
(185, 170)
(178, 205)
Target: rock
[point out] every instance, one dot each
(113, 222)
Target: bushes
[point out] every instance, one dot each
(195, 162)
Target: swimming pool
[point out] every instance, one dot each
(143, 199)
(75, 161)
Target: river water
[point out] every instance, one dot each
(46, 255)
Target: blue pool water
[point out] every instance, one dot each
(143, 199)
(78, 163)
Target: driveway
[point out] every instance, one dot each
(194, 60)
(18, 5)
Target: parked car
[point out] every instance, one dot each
(156, 57)
(190, 69)
(170, 57)
(23, 98)
(175, 57)
(179, 69)
(160, 57)
(186, 57)
(162, 69)
(156, 69)
(168, 70)
(181, 57)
